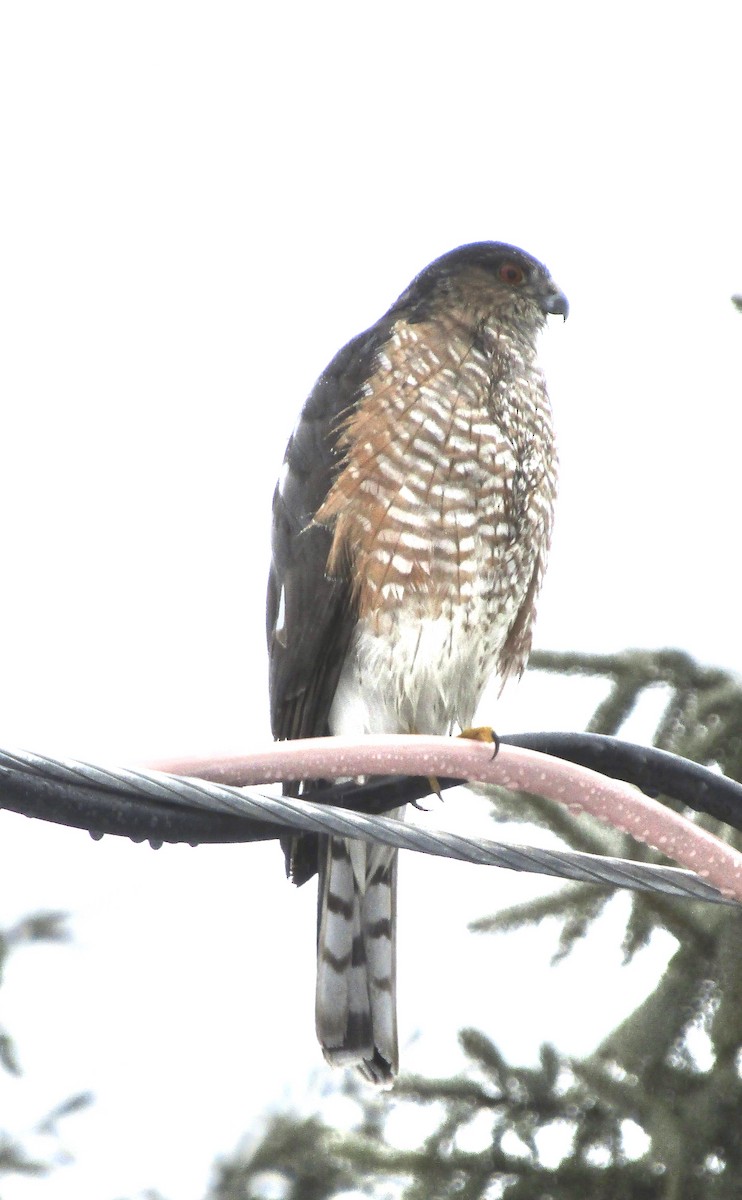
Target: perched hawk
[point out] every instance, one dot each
(411, 524)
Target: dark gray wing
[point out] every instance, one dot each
(310, 616)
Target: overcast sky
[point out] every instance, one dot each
(199, 206)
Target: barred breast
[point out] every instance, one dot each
(442, 513)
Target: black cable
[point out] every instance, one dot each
(100, 810)
(655, 772)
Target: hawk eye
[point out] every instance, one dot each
(511, 273)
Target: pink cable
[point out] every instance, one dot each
(582, 790)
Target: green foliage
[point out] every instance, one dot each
(38, 927)
(14, 1159)
(306, 1155)
(654, 1112)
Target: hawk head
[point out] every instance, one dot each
(501, 278)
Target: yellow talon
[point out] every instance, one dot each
(480, 733)
(435, 786)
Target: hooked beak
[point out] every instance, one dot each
(555, 304)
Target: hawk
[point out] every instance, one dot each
(411, 523)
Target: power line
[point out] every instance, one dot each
(147, 805)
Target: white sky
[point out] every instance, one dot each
(199, 205)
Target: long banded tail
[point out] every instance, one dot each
(356, 1009)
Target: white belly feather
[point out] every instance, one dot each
(427, 678)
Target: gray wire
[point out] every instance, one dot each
(294, 814)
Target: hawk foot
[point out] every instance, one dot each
(435, 789)
(482, 733)
(477, 733)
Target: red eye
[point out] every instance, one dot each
(511, 273)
